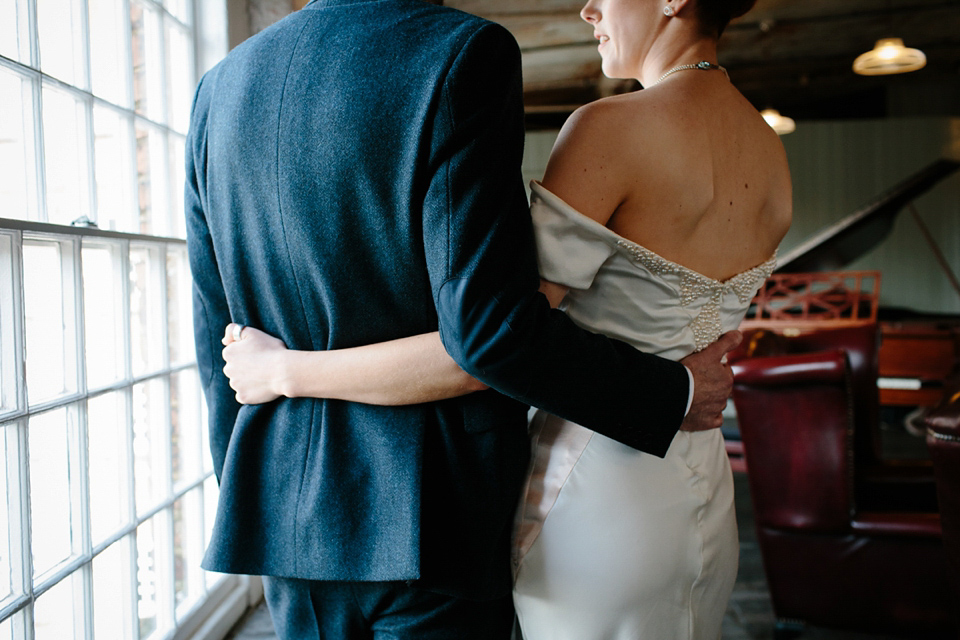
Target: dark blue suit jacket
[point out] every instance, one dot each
(353, 177)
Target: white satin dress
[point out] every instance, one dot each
(612, 543)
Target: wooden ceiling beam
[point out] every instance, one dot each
(548, 30)
(785, 41)
(490, 8)
(825, 10)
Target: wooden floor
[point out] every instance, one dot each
(749, 615)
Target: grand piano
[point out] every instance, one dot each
(808, 290)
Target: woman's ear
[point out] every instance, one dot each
(678, 5)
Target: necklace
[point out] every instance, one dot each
(703, 65)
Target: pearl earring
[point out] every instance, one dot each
(668, 11)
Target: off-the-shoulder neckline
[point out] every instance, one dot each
(626, 243)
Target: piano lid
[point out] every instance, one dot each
(848, 239)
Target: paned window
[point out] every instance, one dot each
(106, 484)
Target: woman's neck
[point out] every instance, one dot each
(666, 55)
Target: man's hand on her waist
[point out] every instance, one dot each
(713, 382)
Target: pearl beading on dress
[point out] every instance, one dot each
(707, 326)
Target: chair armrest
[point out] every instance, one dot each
(913, 525)
(944, 419)
(824, 367)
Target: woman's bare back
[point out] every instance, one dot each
(689, 170)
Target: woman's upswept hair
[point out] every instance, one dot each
(715, 15)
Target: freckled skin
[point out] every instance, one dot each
(656, 165)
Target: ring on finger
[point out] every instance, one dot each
(238, 332)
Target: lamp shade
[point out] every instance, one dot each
(889, 56)
(781, 124)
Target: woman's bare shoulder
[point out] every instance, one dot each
(586, 167)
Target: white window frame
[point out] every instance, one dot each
(224, 598)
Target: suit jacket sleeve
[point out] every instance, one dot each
(210, 311)
(481, 256)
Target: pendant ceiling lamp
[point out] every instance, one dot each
(887, 57)
(781, 124)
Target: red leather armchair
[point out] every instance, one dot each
(848, 541)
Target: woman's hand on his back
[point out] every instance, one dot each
(255, 364)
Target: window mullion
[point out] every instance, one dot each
(23, 483)
(72, 313)
(85, 43)
(91, 159)
(19, 321)
(131, 549)
(125, 311)
(39, 157)
(80, 318)
(83, 425)
(86, 542)
(34, 33)
(164, 549)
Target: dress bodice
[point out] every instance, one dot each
(624, 290)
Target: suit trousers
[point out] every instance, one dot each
(333, 610)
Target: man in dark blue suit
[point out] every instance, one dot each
(353, 176)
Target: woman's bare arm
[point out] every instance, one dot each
(554, 292)
(403, 371)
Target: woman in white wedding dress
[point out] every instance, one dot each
(657, 219)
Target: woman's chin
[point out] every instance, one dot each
(611, 71)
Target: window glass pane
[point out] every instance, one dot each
(65, 157)
(14, 628)
(8, 465)
(17, 183)
(108, 51)
(185, 426)
(147, 61)
(153, 579)
(187, 550)
(50, 318)
(112, 598)
(58, 613)
(103, 311)
(13, 578)
(179, 313)
(8, 357)
(179, 63)
(152, 181)
(146, 310)
(13, 16)
(150, 440)
(178, 223)
(205, 457)
(107, 454)
(115, 181)
(61, 40)
(211, 493)
(50, 437)
(180, 9)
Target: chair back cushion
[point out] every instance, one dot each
(795, 422)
